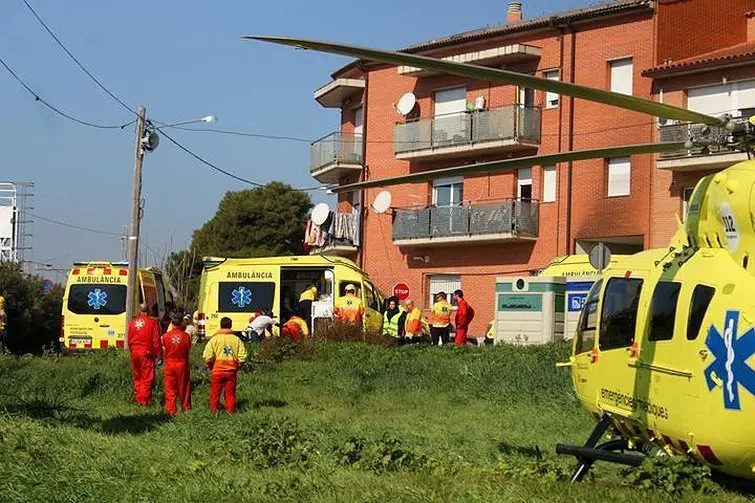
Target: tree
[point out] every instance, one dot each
(183, 269)
(266, 221)
(262, 222)
(33, 318)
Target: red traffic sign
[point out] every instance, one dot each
(401, 290)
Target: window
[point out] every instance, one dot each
(732, 98)
(619, 176)
(686, 198)
(447, 283)
(619, 315)
(100, 299)
(663, 311)
(448, 192)
(588, 320)
(524, 183)
(449, 101)
(358, 121)
(621, 75)
(527, 96)
(244, 296)
(549, 184)
(551, 99)
(371, 298)
(701, 298)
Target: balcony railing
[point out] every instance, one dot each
(513, 122)
(334, 149)
(511, 218)
(717, 137)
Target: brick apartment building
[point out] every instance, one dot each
(452, 233)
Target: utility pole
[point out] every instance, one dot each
(133, 238)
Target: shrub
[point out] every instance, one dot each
(346, 332)
(671, 475)
(33, 318)
(379, 456)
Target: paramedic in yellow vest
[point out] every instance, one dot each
(3, 327)
(441, 329)
(349, 308)
(304, 309)
(394, 319)
(225, 354)
(413, 326)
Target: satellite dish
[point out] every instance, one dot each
(406, 104)
(382, 202)
(320, 213)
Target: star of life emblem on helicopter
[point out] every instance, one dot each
(730, 369)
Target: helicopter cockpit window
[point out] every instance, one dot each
(701, 298)
(588, 320)
(618, 318)
(663, 311)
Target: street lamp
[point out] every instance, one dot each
(147, 140)
(207, 119)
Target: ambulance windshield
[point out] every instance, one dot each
(102, 299)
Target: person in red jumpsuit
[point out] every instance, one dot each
(464, 316)
(177, 378)
(144, 344)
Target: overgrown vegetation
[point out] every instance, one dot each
(33, 317)
(332, 422)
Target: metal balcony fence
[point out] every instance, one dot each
(515, 217)
(336, 148)
(716, 135)
(516, 122)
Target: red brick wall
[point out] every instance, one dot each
(593, 215)
(685, 31)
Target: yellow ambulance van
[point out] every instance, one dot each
(574, 265)
(94, 303)
(238, 287)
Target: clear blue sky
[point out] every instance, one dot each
(183, 60)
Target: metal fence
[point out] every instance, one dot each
(517, 217)
(716, 136)
(466, 128)
(335, 148)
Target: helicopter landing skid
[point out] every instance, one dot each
(592, 451)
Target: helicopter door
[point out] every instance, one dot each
(616, 337)
(585, 344)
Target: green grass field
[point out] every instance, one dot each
(354, 422)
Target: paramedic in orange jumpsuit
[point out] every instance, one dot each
(225, 354)
(464, 315)
(295, 328)
(144, 345)
(177, 378)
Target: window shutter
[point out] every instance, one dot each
(619, 176)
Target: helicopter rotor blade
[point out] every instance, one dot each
(519, 162)
(495, 75)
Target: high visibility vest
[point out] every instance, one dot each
(390, 325)
(349, 308)
(413, 326)
(441, 314)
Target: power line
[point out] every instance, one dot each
(75, 60)
(53, 107)
(71, 226)
(218, 168)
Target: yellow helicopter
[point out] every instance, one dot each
(664, 354)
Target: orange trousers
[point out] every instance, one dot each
(177, 381)
(223, 382)
(461, 336)
(143, 367)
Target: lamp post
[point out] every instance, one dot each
(147, 140)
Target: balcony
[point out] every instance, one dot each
(335, 156)
(341, 237)
(508, 220)
(711, 157)
(506, 129)
(333, 94)
(495, 56)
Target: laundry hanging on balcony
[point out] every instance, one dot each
(315, 235)
(343, 227)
